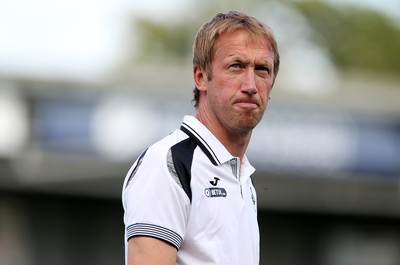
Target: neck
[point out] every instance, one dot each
(236, 144)
(234, 141)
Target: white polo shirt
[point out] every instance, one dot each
(189, 191)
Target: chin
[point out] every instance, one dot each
(246, 126)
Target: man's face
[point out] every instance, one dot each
(241, 80)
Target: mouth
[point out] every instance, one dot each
(249, 104)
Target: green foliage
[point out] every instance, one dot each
(356, 38)
(162, 40)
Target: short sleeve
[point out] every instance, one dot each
(155, 205)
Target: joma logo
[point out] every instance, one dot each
(214, 182)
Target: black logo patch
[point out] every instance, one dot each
(215, 192)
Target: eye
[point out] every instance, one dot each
(235, 65)
(263, 69)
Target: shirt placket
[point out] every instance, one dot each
(235, 166)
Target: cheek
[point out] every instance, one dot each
(227, 81)
(226, 88)
(264, 88)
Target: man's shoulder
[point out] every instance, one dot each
(163, 145)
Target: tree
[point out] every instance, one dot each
(356, 38)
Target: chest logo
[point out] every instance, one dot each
(214, 182)
(215, 192)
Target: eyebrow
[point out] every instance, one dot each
(263, 62)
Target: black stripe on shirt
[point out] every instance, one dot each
(139, 161)
(159, 232)
(182, 157)
(202, 143)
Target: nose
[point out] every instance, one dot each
(249, 82)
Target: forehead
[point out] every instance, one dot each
(242, 40)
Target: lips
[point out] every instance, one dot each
(247, 103)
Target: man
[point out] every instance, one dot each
(189, 198)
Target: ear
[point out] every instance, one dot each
(200, 78)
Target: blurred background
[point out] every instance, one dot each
(85, 86)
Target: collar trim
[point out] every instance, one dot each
(201, 142)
